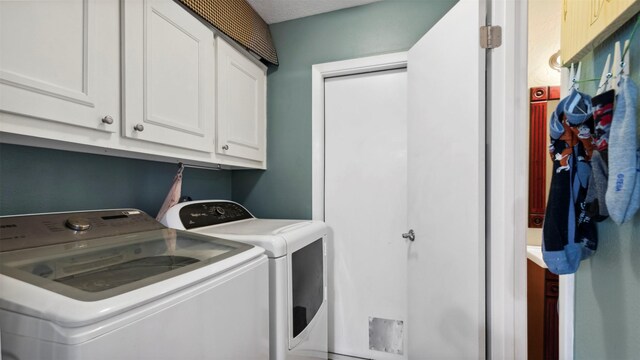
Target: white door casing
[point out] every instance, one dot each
(168, 75)
(507, 157)
(366, 208)
(318, 74)
(567, 283)
(446, 185)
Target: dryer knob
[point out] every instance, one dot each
(220, 210)
(78, 224)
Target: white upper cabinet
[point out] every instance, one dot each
(168, 76)
(132, 78)
(59, 63)
(241, 122)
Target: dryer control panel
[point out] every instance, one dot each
(202, 214)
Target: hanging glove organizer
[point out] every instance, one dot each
(596, 154)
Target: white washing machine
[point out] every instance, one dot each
(116, 284)
(297, 269)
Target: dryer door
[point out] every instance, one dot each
(307, 294)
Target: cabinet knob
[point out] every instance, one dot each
(411, 235)
(138, 127)
(107, 120)
(225, 147)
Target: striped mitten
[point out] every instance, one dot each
(602, 115)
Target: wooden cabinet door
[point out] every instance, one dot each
(241, 123)
(59, 62)
(168, 75)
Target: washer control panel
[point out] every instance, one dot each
(212, 213)
(28, 231)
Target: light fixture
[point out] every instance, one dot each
(555, 62)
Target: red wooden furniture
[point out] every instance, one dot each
(538, 152)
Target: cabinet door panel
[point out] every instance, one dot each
(241, 122)
(52, 62)
(169, 83)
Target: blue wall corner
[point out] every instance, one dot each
(284, 190)
(607, 306)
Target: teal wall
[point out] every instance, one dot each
(36, 180)
(284, 190)
(42, 180)
(607, 323)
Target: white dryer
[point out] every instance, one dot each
(116, 284)
(297, 269)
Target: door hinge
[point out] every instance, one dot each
(490, 37)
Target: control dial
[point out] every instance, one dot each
(78, 223)
(220, 210)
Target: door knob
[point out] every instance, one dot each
(138, 127)
(225, 147)
(409, 235)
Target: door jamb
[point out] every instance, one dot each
(567, 283)
(318, 73)
(507, 146)
(507, 154)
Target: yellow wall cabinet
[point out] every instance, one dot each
(586, 23)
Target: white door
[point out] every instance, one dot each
(443, 200)
(446, 185)
(242, 104)
(168, 75)
(365, 207)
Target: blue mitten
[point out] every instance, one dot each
(622, 199)
(568, 233)
(634, 205)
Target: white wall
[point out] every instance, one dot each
(544, 41)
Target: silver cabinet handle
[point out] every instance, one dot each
(225, 147)
(107, 120)
(410, 235)
(138, 127)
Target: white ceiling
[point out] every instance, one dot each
(274, 11)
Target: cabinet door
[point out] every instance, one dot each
(241, 123)
(168, 75)
(59, 62)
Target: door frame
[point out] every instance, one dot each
(507, 194)
(507, 191)
(508, 154)
(318, 73)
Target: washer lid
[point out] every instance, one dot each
(277, 237)
(264, 227)
(102, 268)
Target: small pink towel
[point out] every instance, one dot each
(173, 197)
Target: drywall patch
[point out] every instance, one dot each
(386, 335)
